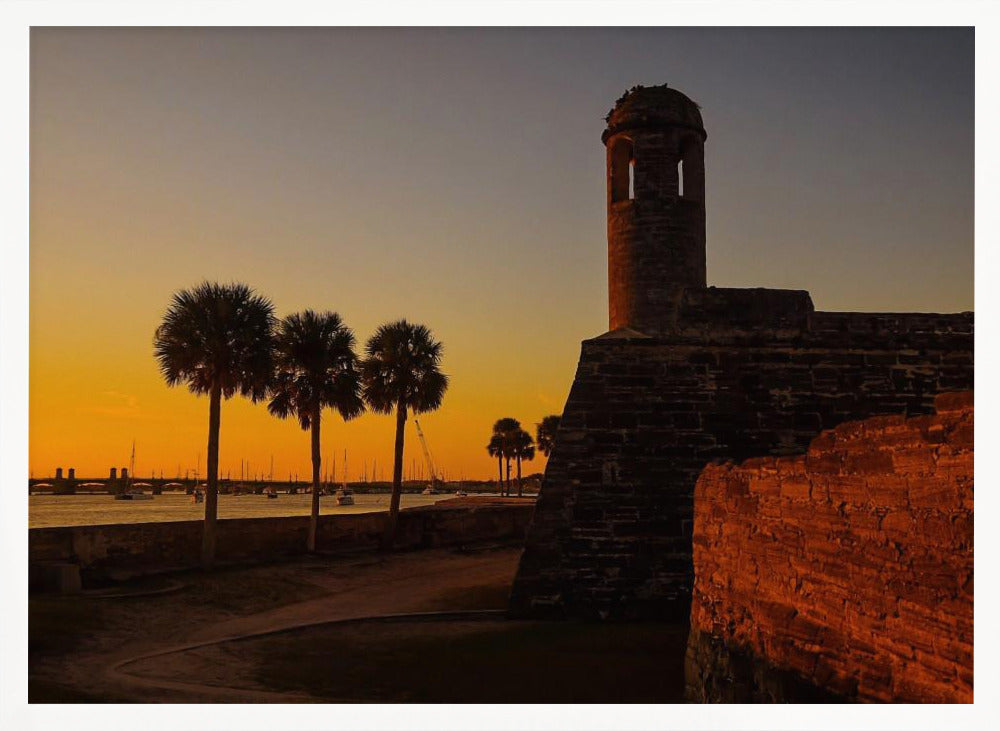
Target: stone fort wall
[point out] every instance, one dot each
(744, 373)
(131, 549)
(849, 568)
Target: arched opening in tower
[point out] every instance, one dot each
(691, 170)
(622, 170)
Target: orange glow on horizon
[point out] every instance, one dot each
(85, 412)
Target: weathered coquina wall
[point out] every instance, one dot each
(140, 548)
(849, 568)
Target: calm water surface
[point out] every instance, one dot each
(51, 510)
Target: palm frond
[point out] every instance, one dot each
(545, 433)
(315, 368)
(402, 366)
(217, 334)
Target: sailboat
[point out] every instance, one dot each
(132, 494)
(344, 495)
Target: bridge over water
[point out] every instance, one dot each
(70, 484)
(116, 482)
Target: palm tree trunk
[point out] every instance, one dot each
(500, 478)
(519, 491)
(212, 468)
(507, 488)
(314, 512)
(389, 537)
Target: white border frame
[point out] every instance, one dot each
(20, 15)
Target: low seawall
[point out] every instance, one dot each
(844, 573)
(145, 548)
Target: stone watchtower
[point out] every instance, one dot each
(655, 143)
(689, 374)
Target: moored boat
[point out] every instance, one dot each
(133, 495)
(133, 491)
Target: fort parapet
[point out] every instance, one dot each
(689, 374)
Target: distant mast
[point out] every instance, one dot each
(131, 467)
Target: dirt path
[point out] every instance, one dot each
(410, 583)
(321, 591)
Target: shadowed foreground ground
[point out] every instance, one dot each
(455, 661)
(201, 643)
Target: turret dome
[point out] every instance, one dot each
(653, 106)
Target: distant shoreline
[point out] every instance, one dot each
(232, 487)
(101, 509)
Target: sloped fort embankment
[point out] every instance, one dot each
(849, 568)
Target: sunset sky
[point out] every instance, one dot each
(454, 177)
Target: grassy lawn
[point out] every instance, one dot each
(476, 662)
(45, 691)
(57, 625)
(246, 591)
(482, 596)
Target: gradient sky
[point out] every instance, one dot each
(454, 177)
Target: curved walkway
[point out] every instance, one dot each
(118, 672)
(421, 583)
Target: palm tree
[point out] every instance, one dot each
(495, 448)
(522, 447)
(216, 338)
(504, 430)
(400, 372)
(315, 368)
(545, 433)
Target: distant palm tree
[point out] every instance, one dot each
(400, 372)
(315, 368)
(216, 338)
(545, 433)
(495, 449)
(522, 447)
(504, 430)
